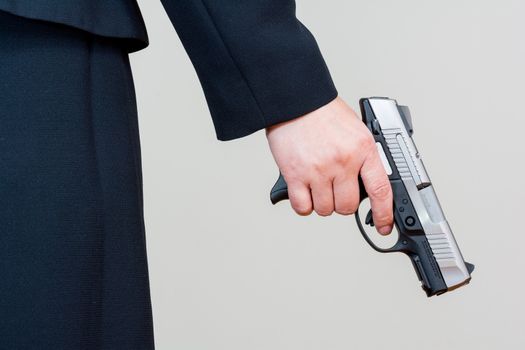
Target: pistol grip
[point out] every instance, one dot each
(279, 191)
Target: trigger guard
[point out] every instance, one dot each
(398, 246)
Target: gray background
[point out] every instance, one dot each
(230, 271)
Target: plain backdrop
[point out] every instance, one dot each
(230, 271)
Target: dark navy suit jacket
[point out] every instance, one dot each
(258, 65)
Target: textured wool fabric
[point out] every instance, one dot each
(73, 268)
(258, 65)
(117, 19)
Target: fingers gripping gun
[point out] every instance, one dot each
(424, 233)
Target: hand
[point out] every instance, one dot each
(321, 155)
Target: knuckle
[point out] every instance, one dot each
(324, 209)
(354, 207)
(366, 141)
(343, 155)
(345, 211)
(382, 190)
(324, 212)
(293, 175)
(302, 210)
(318, 167)
(347, 208)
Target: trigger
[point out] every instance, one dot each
(369, 220)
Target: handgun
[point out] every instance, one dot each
(424, 233)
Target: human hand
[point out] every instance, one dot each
(321, 154)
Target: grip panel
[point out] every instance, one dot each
(279, 191)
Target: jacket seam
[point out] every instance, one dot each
(243, 76)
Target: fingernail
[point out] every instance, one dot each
(385, 230)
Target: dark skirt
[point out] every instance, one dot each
(73, 266)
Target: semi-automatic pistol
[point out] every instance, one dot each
(424, 233)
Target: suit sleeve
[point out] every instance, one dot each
(257, 64)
